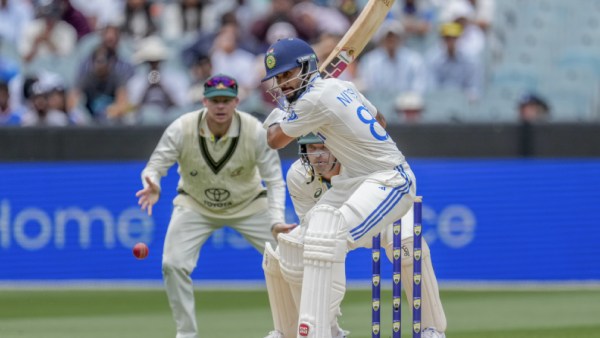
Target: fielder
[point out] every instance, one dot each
(307, 180)
(375, 185)
(223, 157)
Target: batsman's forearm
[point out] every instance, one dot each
(381, 119)
(276, 138)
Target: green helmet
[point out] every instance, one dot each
(309, 138)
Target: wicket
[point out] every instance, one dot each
(396, 286)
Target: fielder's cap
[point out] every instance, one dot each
(451, 30)
(220, 85)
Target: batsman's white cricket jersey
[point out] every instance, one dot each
(375, 176)
(306, 192)
(340, 115)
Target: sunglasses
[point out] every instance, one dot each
(218, 81)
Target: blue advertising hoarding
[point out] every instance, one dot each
(485, 220)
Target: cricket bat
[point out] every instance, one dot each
(357, 37)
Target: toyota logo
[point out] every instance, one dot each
(216, 194)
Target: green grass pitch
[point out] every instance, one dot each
(82, 313)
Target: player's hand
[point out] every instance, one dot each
(281, 228)
(148, 196)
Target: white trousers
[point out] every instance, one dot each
(368, 205)
(187, 232)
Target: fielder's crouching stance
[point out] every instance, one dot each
(374, 188)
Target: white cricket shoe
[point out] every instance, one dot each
(275, 334)
(342, 334)
(431, 332)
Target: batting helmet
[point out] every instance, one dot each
(310, 138)
(287, 54)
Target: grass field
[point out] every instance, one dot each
(145, 314)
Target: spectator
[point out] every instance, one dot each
(8, 69)
(484, 13)
(155, 85)
(101, 84)
(391, 69)
(205, 40)
(227, 57)
(14, 16)
(75, 18)
(417, 16)
(316, 20)
(349, 8)
(533, 108)
(325, 45)
(9, 115)
(472, 40)
(110, 37)
(99, 12)
(40, 113)
(281, 10)
(409, 108)
(450, 67)
(56, 95)
(182, 19)
(101, 75)
(139, 22)
(201, 70)
(392, 66)
(48, 35)
(280, 30)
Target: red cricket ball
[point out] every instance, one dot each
(140, 250)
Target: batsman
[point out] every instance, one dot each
(375, 187)
(307, 180)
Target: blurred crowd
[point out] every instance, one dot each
(132, 62)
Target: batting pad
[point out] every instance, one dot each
(291, 262)
(432, 312)
(283, 308)
(323, 285)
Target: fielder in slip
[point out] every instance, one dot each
(223, 159)
(375, 187)
(308, 179)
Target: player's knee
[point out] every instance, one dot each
(291, 258)
(325, 238)
(172, 265)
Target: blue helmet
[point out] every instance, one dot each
(287, 54)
